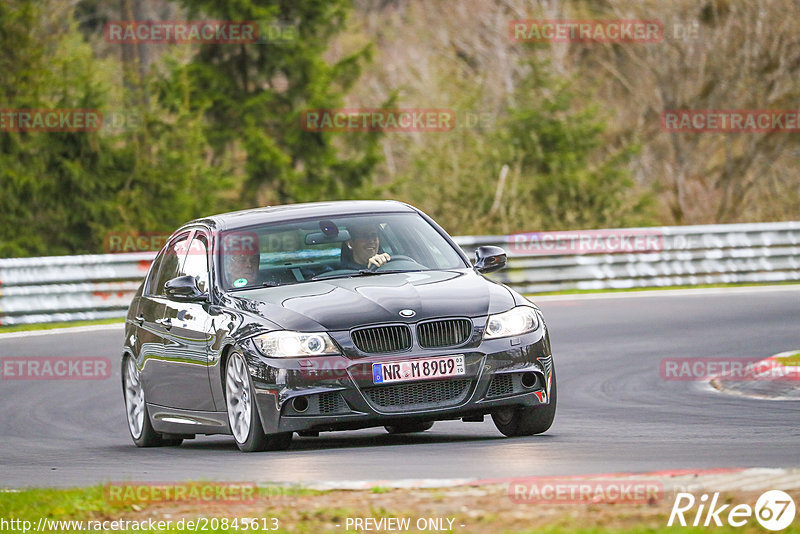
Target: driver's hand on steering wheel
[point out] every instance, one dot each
(378, 259)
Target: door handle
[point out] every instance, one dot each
(166, 322)
(139, 320)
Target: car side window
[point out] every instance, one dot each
(196, 263)
(171, 264)
(153, 275)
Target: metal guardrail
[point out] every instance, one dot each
(683, 255)
(70, 288)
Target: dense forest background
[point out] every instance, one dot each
(549, 136)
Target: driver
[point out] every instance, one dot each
(362, 250)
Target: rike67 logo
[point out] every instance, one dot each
(774, 510)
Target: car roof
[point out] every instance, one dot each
(285, 212)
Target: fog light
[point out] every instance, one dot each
(300, 404)
(529, 380)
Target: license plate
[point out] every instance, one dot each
(421, 369)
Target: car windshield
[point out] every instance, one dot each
(326, 248)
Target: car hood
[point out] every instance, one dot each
(345, 303)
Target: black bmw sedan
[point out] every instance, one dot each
(328, 316)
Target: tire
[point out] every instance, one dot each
(139, 425)
(245, 423)
(409, 428)
(527, 420)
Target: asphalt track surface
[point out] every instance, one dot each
(615, 412)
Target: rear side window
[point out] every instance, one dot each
(150, 282)
(169, 264)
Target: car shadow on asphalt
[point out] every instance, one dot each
(343, 440)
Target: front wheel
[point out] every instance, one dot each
(527, 420)
(139, 425)
(243, 416)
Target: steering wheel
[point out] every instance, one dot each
(398, 257)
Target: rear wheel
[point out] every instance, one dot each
(243, 416)
(527, 420)
(409, 428)
(139, 425)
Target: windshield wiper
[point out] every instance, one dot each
(368, 272)
(245, 288)
(363, 272)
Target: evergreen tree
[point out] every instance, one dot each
(255, 95)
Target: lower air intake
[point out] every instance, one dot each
(418, 395)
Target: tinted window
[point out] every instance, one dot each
(151, 279)
(171, 263)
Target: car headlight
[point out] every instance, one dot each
(514, 322)
(286, 344)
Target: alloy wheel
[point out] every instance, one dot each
(134, 399)
(239, 397)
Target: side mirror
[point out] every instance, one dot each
(489, 259)
(184, 288)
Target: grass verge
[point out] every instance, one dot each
(792, 359)
(475, 509)
(660, 288)
(50, 326)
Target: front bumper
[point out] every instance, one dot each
(337, 393)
